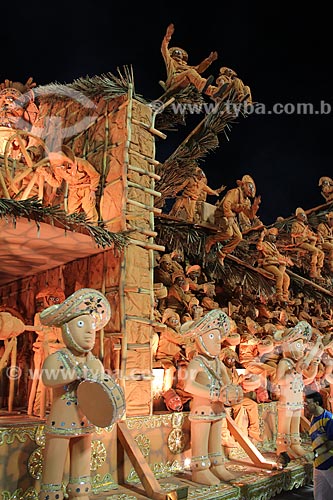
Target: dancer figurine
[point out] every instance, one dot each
(205, 381)
(291, 380)
(67, 428)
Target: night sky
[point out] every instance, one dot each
(284, 55)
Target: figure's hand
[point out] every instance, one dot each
(29, 84)
(220, 189)
(257, 201)
(213, 56)
(169, 32)
(6, 84)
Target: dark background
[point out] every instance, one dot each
(282, 50)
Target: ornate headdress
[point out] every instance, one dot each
(301, 331)
(83, 301)
(213, 319)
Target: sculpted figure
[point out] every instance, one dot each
(236, 201)
(325, 233)
(192, 188)
(67, 428)
(82, 179)
(249, 383)
(180, 74)
(229, 76)
(206, 380)
(305, 238)
(274, 262)
(326, 184)
(48, 341)
(163, 271)
(290, 378)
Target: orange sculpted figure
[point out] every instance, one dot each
(206, 380)
(82, 179)
(67, 427)
(325, 233)
(192, 188)
(229, 76)
(326, 184)
(274, 262)
(17, 112)
(48, 340)
(291, 380)
(235, 202)
(179, 73)
(305, 238)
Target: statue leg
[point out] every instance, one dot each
(79, 486)
(51, 492)
(55, 453)
(295, 435)
(283, 440)
(226, 438)
(200, 463)
(285, 285)
(216, 454)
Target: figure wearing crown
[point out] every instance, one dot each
(206, 379)
(67, 428)
(291, 376)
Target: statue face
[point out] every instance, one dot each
(302, 217)
(178, 54)
(166, 266)
(194, 275)
(173, 322)
(249, 189)
(296, 349)
(272, 238)
(10, 107)
(229, 361)
(83, 331)
(211, 340)
(180, 281)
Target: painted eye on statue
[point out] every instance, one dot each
(54, 299)
(298, 345)
(80, 323)
(211, 336)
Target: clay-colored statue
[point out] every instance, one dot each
(305, 238)
(325, 233)
(229, 76)
(82, 179)
(290, 378)
(249, 383)
(274, 262)
(184, 206)
(48, 341)
(205, 381)
(179, 73)
(326, 184)
(235, 201)
(18, 113)
(163, 271)
(171, 346)
(67, 428)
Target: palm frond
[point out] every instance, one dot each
(107, 85)
(202, 140)
(32, 209)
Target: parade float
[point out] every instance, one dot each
(85, 203)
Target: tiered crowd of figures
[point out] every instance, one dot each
(278, 298)
(273, 284)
